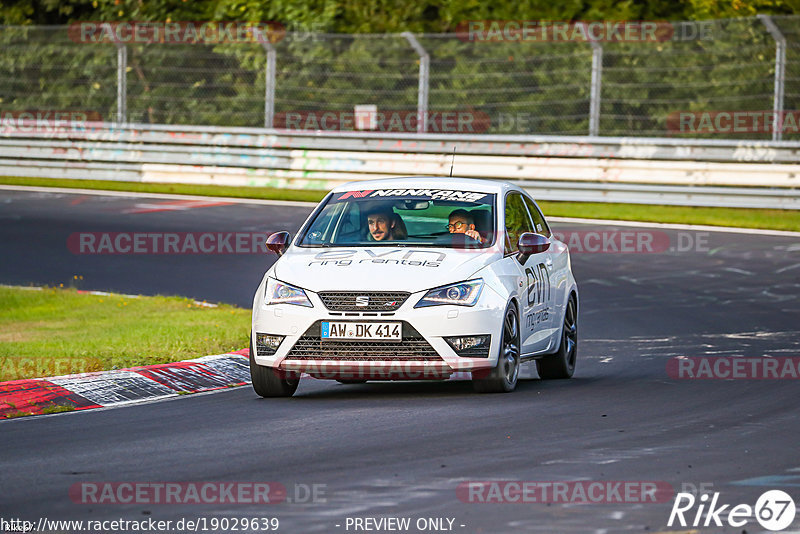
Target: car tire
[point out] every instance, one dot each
(270, 382)
(503, 378)
(562, 364)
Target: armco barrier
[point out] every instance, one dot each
(647, 170)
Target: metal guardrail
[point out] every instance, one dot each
(662, 148)
(600, 169)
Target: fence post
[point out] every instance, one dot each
(596, 84)
(780, 78)
(122, 78)
(122, 84)
(269, 79)
(424, 74)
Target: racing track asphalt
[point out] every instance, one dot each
(401, 449)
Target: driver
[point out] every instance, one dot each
(385, 225)
(462, 222)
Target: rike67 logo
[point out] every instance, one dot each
(774, 511)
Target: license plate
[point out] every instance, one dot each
(371, 331)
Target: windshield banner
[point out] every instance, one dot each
(424, 194)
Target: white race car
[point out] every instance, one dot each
(412, 279)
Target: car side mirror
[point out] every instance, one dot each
(278, 242)
(530, 244)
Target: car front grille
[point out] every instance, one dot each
(384, 301)
(413, 347)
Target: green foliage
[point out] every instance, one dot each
(380, 16)
(42, 69)
(57, 408)
(525, 88)
(739, 217)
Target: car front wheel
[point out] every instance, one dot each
(269, 382)
(503, 378)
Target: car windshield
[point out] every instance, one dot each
(398, 217)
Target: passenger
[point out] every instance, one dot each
(385, 225)
(462, 222)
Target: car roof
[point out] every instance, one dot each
(431, 182)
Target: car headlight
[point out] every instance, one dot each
(283, 293)
(461, 294)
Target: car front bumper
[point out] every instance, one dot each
(422, 354)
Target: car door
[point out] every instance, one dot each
(556, 261)
(536, 292)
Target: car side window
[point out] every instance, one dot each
(539, 224)
(349, 225)
(517, 221)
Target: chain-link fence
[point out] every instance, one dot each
(715, 79)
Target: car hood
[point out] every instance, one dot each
(379, 268)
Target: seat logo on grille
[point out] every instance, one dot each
(362, 301)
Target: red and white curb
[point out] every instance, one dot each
(105, 389)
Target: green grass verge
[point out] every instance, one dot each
(57, 408)
(746, 218)
(53, 332)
